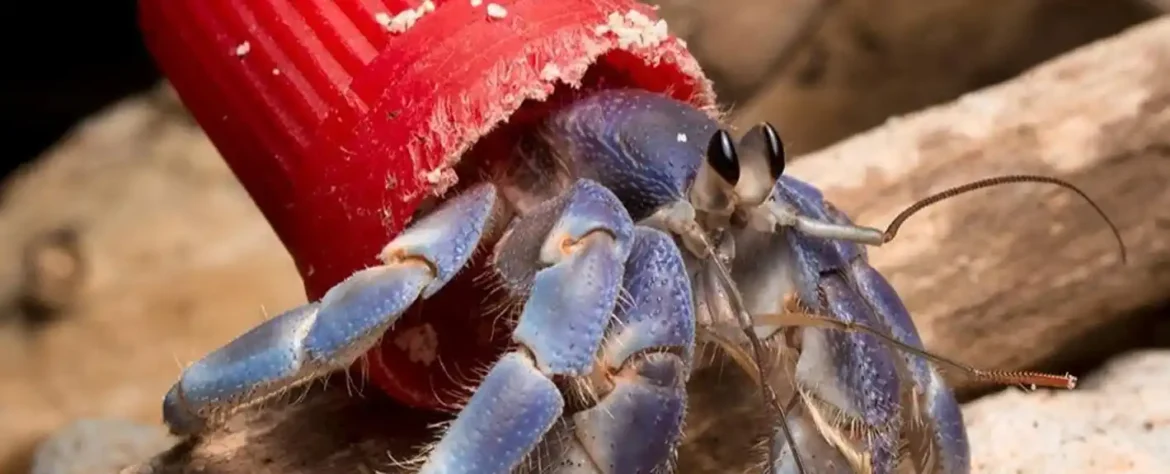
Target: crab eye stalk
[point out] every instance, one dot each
(722, 157)
(762, 155)
(715, 182)
(775, 150)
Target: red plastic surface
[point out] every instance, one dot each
(339, 128)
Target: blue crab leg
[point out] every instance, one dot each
(312, 340)
(937, 436)
(850, 377)
(938, 440)
(855, 374)
(646, 357)
(567, 257)
(938, 443)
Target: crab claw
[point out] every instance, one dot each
(308, 342)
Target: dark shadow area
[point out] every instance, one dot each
(1145, 329)
(62, 63)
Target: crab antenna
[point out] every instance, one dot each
(896, 224)
(785, 216)
(1001, 377)
(746, 324)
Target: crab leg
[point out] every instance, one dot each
(310, 341)
(643, 368)
(566, 257)
(849, 382)
(850, 376)
(842, 368)
(631, 360)
(934, 423)
(938, 440)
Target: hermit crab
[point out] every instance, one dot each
(529, 213)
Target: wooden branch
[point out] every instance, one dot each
(1013, 276)
(1004, 279)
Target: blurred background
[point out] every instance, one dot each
(127, 249)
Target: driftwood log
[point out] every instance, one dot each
(1008, 278)
(1015, 276)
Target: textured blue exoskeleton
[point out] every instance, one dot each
(632, 223)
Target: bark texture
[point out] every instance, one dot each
(1016, 275)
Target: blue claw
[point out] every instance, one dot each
(358, 311)
(255, 365)
(660, 312)
(313, 340)
(570, 302)
(512, 409)
(447, 237)
(636, 426)
(580, 242)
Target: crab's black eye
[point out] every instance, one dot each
(722, 158)
(776, 156)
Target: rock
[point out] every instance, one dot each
(144, 253)
(1117, 422)
(99, 446)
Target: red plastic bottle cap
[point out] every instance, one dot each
(341, 116)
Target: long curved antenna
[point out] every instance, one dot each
(786, 216)
(895, 225)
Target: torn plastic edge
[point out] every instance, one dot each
(438, 179)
